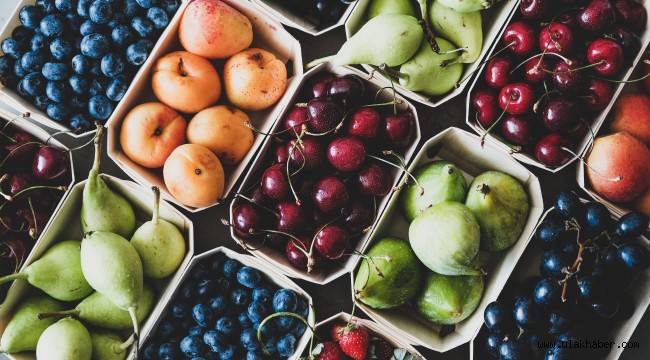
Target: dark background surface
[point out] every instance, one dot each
(335, 297)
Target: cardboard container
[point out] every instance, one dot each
(268, 35)
(374, 329)
(464, 150)
(278, 259)
(597, 121)
(639, 290)
(65, 225)
(493, 20)
(271, 275)
(13, 99)
(278, 9)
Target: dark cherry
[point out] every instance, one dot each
(280, 154)
(295, 118)
(567, 79)
(293, 217)
(523, 37)
(497, 71)
(35, 222)
(536, 69)
(374, 180)
(258, 197)
(518, 130)
(294, 252)
(535, 9)
(247, 217)
(365, 123)
(348, 89)
(598, 95)
(632, 14)
(317, 86)
(561, 114)
(549, 150)
(330, 194)
(358, 216)
(275, 185)
(50, 163)
(346, 153)
(608, 54)
(486, 104)
(307, 152)
(579, 132)
(19, 182)
(399, 129)
(568, 17)
(20, 153)
(628, 40)
(557, 38)
(331, 241)
(324, 114)
(276, 241)
(598, 16)
(517, 98)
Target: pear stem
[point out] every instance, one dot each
(73, 312)
(134, 318)
(156, 205)
(125, 345)
(392, 72)
(20, 275)
(319, 61)
(98, 148)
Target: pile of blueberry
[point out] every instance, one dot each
(75, 59)
(588, 264)
(217, 311)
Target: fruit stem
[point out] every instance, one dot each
(80, 146)
(12, 277)
(249, 125)
(403, 168)
(125, 345)
(12, 197)
(156, 205)
(319, 61)
(498, 120)
(426, 27)
(484, 189)
(45, 315)
(17, 148)
(33, 233)
(647, 62)
(278, 314)
(136, 327)
(289, 175)
(392, 72)
(615, 179)
(258, 204)
(98, 148)
(576, 69)
(566, 60)
(23, 115)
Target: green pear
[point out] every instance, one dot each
(464, 30)
(447, 300)
(500, 204)
(98, 310)
(400, 277)
(389, 39)
(437, 181)
(66, 339)
(102, 208)
(379, 7)
(159, 243)
(108, 345)
(446, 238)
(468, 5)
(58, 273)
(24, 328)
(113, 268)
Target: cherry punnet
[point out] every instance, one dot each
(275, 184)
(561, 114)
(522, 36)
(535, 9)
(374, 180)
(295, 118)
(317, 85)
(517, 98)
(306, 152)
(247, 218)
(632, 14)
(399, 129)
(365, 123)
(557, 38)
(519, 130)
(599, 94)
(486, 104)
(607, 56)
(358, 216)
(568, 77)
(331, 241)
(293, 217)
(346, 153)
(537, 69)
(549, 150)
(324, 115)
(497, 71)
(598, 16)
(330, 194)
(347, 88)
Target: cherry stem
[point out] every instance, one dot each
(401, 167)
(511, 44)
(23, 115)
(249, 125)
(497, 121)
(36, 187)
(76, 131)
(17, 148)
(78, 147)
(33, 233)
(540, 56)
(647, 62)
(601, 62)
(615, 179)
(289, 175)
(258, 204)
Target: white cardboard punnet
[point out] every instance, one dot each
(277, 258)
(273, 276)
(583, 145)
(66, 225)
(493, 20)
(464, 150)
(268, 35)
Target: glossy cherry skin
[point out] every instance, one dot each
(557, 38)
(517, 98)
(535, 9)
(346, 153)
(21, 152)
(247, 218)
(330, 194)
(293, 217)
(50, 163)
(324, 114)
(628, 40)
(598, 16)
(534, 69)
(348, 89)
(561, 114)
(497, 71)
(374, 180)
(632, 14)
(280, 154)
(317, 86)
(331, 241)
(275, 185)
(609, 54)
(566, 78)
(522, 36)
(400, 129)
(294, 252)
(518, 130)
(358, 216)
(486, 104)
(599, 94)
(549, 150)
(295, 119)
(307, 153)
(365, 123)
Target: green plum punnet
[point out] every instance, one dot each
(464, 30)
(446, 238)
(25, 328)
(447, 300)
(468, 5)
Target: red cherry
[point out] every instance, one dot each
(374, 180)
(632, 14)
(365, 123)
(535, 9)
(608, 53)
(598, 16)
(295, 252)
(497, 71)
(317, 86)
(307, 153)
(346, 153)
(517, 98)
(557, 38)
(561, 114)
(523, 37)
(246, 218)
(274, 182)
(296, 117)
(599, 94)
(486, 104)
(566, 78)
(280, 154)
(537, 69)
(330, 194)
(518, 130)
(549, 150)
(331, 241)
(50, 163)
(293, 218)
(400, 129)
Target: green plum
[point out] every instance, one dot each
(447, 300)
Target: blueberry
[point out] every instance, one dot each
(89, 27)
(143, 26)
(514, 350)
(30, 16)
(254, 355)
(150, 351)
(285, 300)
(248, 339)
(100, 107)
(169, 351)
(302, 308)
(19, 70)
(527, 314)
(34, 84)
(47, 5)
(83, 8)
(227, 352)
(286, 345)
(227, 326)
(216, 263)
(7, 65)
(634, 256)
(78, 121)
(192, 346)
(284, 323)
(21, 91)
(100, 12)
(548, 293)
(13, 48)
(170, 6)
(137, 53)
(33, 60)
(230, 268)
(117, 20)
(37, 42)
(117, 88)
(80, 64)
(57, 91)
(269, 329)
(187, 291)
(207, 288)
(257, 311)
(53, 25)
(270, 345)
(240, 297)
(95, 46)
(58, 112)
(113, 65)
(131, 9)
(213, 339)
(553, 262)
(298, 329)
(42, 102)
(492, 342)
(61, 48)
(249, 276)
(147, 3)
(180, 310)
(223, 284)
(158, 17)
(262, 294)
(55, 71)
(122, 36)
(202, 315)
(244, 321)
(65, 6)
(219, 305)
(632, 225)
(21, 33)
(74, 21)
(498, 318)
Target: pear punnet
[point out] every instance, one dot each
(392, 283)
(468, 5)
(24, 328)
(58, 272)
(447, 300)
(465, 30)
(113, 268)
(446, 238)
(102, 208)
(98, 310)
(379, 7)
(65, 340)
(440, 180)
(108, 345)
(159, 243)
(501, 207)
(389, 39)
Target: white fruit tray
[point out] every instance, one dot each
(493, 20)
(526, 157)
(270, 274)
(277, 258)
(66, 225)
(464, 150)
(278, 10)
(639, 290)
(268, 34)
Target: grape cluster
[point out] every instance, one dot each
(588, 262)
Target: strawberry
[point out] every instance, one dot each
(354, 341)
(337, 330)
(329, 350)
(382, 349)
